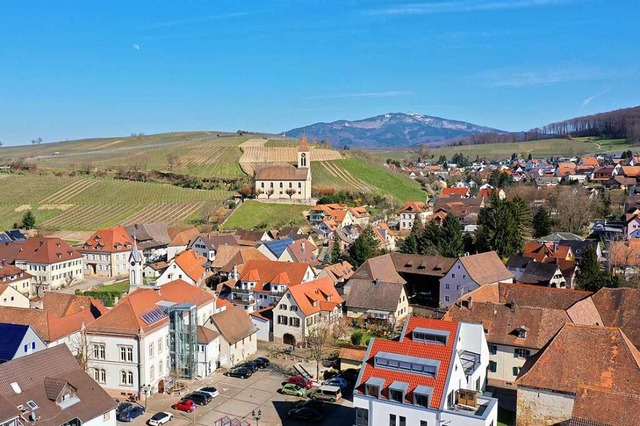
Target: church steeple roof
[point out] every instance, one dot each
(304, 146)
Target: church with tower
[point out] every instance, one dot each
(286, 181)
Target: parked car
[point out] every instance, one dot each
(350, 375)
(293, 389)
(305, 413)
(130, 413)
(199, 398)
(262, 362)
(327, 393)
(122, 406)
(160, 418)
(337, 381)
(185, 405)
(300, 381)
(210, 390)
(312, 403)
(329, 374)
(251, 365)
(239, 372)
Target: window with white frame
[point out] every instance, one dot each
(99, 351)
(100, 375)
(151, 350)
(521, 353)
(152, 373)
(126, 353)
(160, 345)
(126, 378)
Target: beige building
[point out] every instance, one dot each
(16, 278)
(107, 252)
(238, 335)
(285, 181)
(11, 297)
(376, 300)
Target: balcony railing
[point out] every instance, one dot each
(241, 290)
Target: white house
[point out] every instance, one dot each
(433, 375)
(18, 340)
(470, 272)
(208, 351)
(51, 262)
(285, 181)
(238, 335)
(411, 211)
(304, 306)
(107, 252)
(9, 296)
(16, 278)
(131, 345)
(187, 266)
(206, 245)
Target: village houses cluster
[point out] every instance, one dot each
(464, 331)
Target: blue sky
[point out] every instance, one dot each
(71, 69)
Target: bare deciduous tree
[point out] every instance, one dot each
(318, 336)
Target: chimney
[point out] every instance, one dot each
(511, 304)
(302, 247)
(376, 281)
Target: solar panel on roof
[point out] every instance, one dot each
(153, 316)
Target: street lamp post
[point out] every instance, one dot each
(146, 389)
(256, 416)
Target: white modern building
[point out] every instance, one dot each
(434, 375)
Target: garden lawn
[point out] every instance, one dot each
(263, 216)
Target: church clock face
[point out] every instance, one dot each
(133, 263)
(303, 155)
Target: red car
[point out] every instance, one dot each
(300, 381)
(185, 405)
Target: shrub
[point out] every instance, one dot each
(356, 337)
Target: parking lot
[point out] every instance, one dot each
(240, 397)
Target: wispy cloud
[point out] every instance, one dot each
(388, 94)
(509, 78)
(462, 6)
(135, 46)
(193, 21)
(588, 100)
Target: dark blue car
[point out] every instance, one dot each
(130, 413)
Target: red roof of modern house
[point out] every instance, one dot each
(109, 240)
(407, 347)
(47, 250)
(10, 273)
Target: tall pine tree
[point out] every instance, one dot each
(502, 226)
(590, 276)
(364, 247)
(451, 242)
(541, 222)
(410, 244)
(429, 241)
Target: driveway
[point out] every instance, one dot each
(240, 397)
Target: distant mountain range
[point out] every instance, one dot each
(393, 130)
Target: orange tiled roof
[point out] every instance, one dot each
(109, 240)
(8, 271)
(191, 263)
(316, 296)
(414, 207)
(127, 317)
(459, 192)
(183, 238)
(406, 346)
(268, 271)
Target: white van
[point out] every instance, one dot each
(327, 393)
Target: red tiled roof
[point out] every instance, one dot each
(10, 273)
(47, 250)
(109, 240)
(414, 207)
(438, 352)
(183, 238)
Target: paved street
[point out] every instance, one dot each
(87, 283)
(238, 398)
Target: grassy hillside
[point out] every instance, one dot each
(357, 174)
(82, 203)
(256, 215)
(499, 151)
(200, 154)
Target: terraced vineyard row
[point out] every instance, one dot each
(69, 191)
(284, 155)
(168, 213)
(92, 216)
(345, 175)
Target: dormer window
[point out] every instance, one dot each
(398, 391)
(426, 335)
(521, 332)
(422, 395)
(372, 387)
